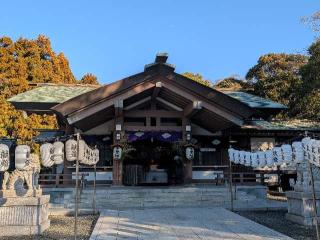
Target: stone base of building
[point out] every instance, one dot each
(24, 215)
(300, 207)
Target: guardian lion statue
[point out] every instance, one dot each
(23, 180)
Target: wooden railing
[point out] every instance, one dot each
(238, 178)
(62, 180)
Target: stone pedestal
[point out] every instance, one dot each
(300, 207)
(23, 215)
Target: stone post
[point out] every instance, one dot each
(300, 205)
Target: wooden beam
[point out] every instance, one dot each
(153, 113)
(155, 94)
(171, 105)
(156, 90)
(118, 107)
(192, 108)
(153, 128)
(137, 103)
(104, 103)
(225, 114)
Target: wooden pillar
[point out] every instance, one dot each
(188, 163)
(117, 173)
(119, 129)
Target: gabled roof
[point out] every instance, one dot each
(77, 104)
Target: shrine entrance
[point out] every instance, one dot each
(153, 163)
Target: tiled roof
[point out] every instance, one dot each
(62, 93)
(252, 100)
(295, 124)
(51, 93)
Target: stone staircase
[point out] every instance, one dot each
(151, 197)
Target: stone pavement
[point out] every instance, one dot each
(179, 224)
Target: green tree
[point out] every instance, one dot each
(277, 77)
(313, 21)
(198, 78)
(309, 104)
(89, 78)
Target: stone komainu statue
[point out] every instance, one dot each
(25, 178)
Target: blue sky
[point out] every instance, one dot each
(114, 39)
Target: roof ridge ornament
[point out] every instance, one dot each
(161, 57)
(160, 60)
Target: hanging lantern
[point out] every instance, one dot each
(4, 158)
(254, 160)
(46, 154)
(297, 152)
(305, 142)
(58, 152)
(262, 159)
(236, 156)
(96, 155)
(242, 157)
(22, 156)
(231, 154)
(82, 151)
(269, 158)
(117, 152)
(287, 153)
(190, 153)
(277, 156)
(71, 150)
(247, 159)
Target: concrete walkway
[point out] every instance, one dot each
(179, 224)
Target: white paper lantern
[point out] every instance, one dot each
(315, 154)
(254, 160)
(305, 142)
(4, 158)
(231, 154)
(58, 152)
(277, 156)
(22, 156)
(297, 152)
(236, 155)
(242, 157)
(46, 154)
(190, 153)
(71, 150)
(269, 158)
(117, 153)
(82, 151)
(247, 160)
(286, 153)
(262, 159)
(96, 155)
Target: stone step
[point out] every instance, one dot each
(144, 197)
(150, 204)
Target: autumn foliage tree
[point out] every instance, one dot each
(89, 78)
(234, 84)
(23, 62)
(198, 78)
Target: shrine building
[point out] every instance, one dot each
(154, 116)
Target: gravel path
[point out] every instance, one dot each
(61, 227)
(276, 220)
